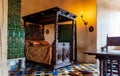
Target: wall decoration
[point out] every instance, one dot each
(91, 28)
(47, 31)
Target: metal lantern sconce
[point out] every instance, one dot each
(91, 28)
(85, 22)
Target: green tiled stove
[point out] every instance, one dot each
(15, 31)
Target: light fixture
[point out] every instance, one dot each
(85, 22)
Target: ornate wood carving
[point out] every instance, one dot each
(61, 56)
(34, 32)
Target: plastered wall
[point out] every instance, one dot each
(108, 21)
(3, 38)
(85, 40)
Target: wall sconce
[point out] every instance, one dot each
(91, 28)
(85, 22)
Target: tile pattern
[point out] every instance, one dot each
(16, 33)
(64, 71)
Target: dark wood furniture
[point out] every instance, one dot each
(103, 58)
(111, 41)
(109, 58)
(63, 53)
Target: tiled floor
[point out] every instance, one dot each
(37, 71)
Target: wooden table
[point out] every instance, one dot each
(103, 57)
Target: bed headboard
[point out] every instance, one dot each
(34, 32)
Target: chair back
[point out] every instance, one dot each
(112, 41)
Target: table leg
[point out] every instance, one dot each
(118, 67)
(101, 67)
(104, 67)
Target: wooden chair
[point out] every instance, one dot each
(112, 65)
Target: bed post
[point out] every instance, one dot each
(74, 50)
(55, 43)
(53, 61)
(75, 42)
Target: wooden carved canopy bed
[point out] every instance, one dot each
(37, 49)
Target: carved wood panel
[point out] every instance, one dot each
(63, 52)
(34, 32)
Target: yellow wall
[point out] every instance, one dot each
(85, 40)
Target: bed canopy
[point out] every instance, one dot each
(53, 16)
